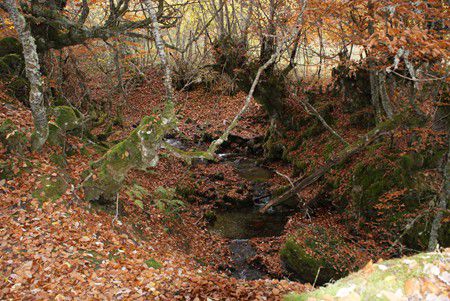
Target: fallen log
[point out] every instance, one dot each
(307, 180)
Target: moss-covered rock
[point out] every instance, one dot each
(139, 150)
(273, 149)
(14, 62)
(67, 118)
(10, 45)
(55, 135)
(19, 88)
(273, 146)
(5, 71)
(371, 181)
(305, 255)
(11, 137)
(420, 277)
(67, 121)
(52, 188)
(12, 68)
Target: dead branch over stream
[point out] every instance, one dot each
(311, 178)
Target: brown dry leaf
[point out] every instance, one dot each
(368, 268)
(412, 286)
(24, 271)
(85, 239)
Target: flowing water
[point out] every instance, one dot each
(241, 224)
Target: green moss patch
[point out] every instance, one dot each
(152, 263)
(67, 118)
(392, 189)
(314, 251)
(52, 188)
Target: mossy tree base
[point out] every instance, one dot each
(139, 150)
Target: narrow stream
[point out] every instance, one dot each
(241, 224)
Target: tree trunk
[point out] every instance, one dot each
(224, 137)
(384, 97)
(161, 51)
(33, 74)
(268, 42)
(375, 92)
(441, 122)
(441, 206)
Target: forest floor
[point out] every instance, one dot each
(68, 249)
(65, 249)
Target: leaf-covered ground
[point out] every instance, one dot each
(65, 249)
(68, 249)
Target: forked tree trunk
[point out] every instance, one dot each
(33, 74)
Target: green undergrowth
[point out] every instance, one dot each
(386, 186)
(392, 188)
(152, 263)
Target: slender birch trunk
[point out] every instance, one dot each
(161, 51)
(33, 74)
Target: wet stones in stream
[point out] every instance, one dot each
(240, 224)
(239, 220)
(241, 253)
